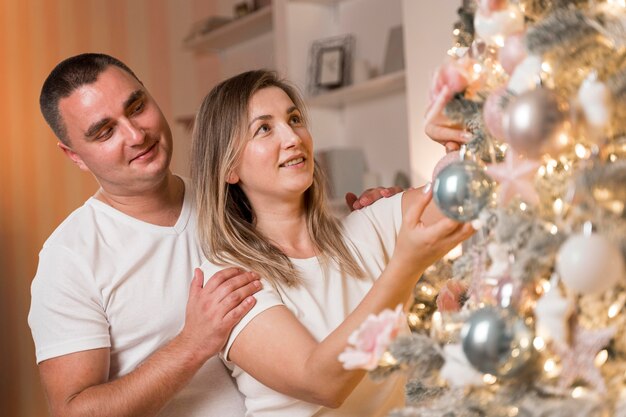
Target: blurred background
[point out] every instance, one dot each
(180, 49)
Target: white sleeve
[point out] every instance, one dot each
(374, 229)
(66, 313)
(265, 298)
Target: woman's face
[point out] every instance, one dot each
(277, 159)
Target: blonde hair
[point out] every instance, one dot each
(225, 217)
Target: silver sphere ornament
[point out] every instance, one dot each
(496, 342)
(462, 189)
(536, 122)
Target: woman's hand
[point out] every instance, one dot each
(419, 245)
(440, 128)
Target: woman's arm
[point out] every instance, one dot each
(309, 370)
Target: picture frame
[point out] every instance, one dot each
(330, 64)
(329, 73)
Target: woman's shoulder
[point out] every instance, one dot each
(385, 213)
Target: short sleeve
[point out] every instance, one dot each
(266, 298)
(66, 313)
(375, 228)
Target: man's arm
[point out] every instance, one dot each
(77, 384)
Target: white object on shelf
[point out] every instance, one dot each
(239, 30)
(374, 87)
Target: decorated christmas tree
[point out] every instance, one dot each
(530, 320)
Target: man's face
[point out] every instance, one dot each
(117, 132)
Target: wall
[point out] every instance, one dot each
(38, 186)
(428, 35)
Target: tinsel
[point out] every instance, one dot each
(462, 110)
(535, 9)
(616, 84)
(562, 29)
(464, 27)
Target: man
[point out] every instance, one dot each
(112, 335)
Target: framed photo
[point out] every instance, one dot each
(330, 64)
(330, 71)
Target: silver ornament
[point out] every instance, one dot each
(535, 122)
(496, 342)
(462, 189)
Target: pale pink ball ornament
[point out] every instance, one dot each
(449, 158)
(512, 53)
(493, 113)
(589, 264)
(536, 122)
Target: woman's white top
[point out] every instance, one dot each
(321, 303)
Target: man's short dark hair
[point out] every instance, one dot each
(65, 78)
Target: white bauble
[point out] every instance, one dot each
(589, 264)
(526, 76)
(497, 26)
(594, 97)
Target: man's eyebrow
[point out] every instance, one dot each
(134, 96)
(95, 128)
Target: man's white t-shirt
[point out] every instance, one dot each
(321, 303)
(108, 280)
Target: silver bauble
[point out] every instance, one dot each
(496, 342)
(462, 189)
(535, 122)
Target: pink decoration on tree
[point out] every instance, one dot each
(370, 341)
(493, 113)
(512, 53)
(486, 7)
(515, 176)
(577, 360)
(444, 162)
(455, 74)
(450, 295)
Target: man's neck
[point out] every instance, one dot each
(160, 205)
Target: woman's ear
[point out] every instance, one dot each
(232, 178)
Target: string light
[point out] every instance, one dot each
(489, 379)
(601, 358)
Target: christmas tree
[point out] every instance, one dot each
(530, 320)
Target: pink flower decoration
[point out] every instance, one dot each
(455, 75)
(488, 6)
(371, 340)
(449, 298)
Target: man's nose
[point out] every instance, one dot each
(135, 134)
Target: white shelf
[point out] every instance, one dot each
(375, 87)
(235, 32)
(324, 2)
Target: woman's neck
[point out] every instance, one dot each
(286, 227)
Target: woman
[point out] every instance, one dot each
(261, 205)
